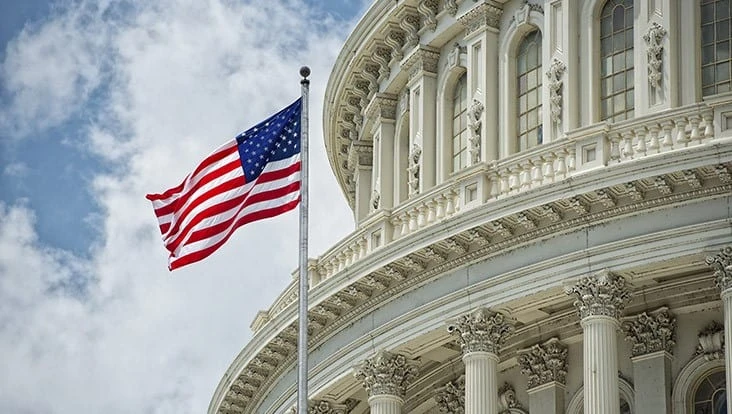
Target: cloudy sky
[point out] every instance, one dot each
(101, 102)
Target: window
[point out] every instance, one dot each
(529, 77)
(460, 125)
(710, 396)
(616, 60)
(715, 46)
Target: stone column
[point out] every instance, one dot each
(601, 299)
(482, 24)
(546, 367)
(481, 334)
(721, 263)
(653, 337)
(360, 156)
(385, 377)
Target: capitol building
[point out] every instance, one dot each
(542, 193)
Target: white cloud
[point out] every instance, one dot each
(16, 169)
(116, 332)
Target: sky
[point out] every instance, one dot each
(102, 102)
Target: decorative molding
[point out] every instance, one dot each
(360, 154)
(428, 10)
(325, 407)
(721, 264)
(555, 74)
(382, 105)
(453, 58)
(651, 332)
(481, 331)
(375, 201)
(507, 401)
(653, 38)
(450, 398)
(521, 16)
(424, 59)
(395, 41)
(415, 158)
(544, 363)
(387, 374)
(474, 113)
(601, 294)
(711, 342)
(487, 14)
(451, 7)
(409, 22)
(381, 54)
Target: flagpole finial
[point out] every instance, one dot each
(305, 72)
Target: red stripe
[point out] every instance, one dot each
(211, 159)
(183, 198)
(207, 232)
(254, 216)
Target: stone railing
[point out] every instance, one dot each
(597, 146)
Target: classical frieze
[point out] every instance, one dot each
(711, 341)
(481, 330)
(544, 363)
(387, 374)
(421, 60)
(651, 332)
(601, 294)
(487, 14)
(450, 398)
(721, 264)
(382, 106)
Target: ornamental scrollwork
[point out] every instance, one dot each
(474, 124)
(544, 363)
(721, 264)
(652, 332)
(653, 38)
(555, 74)
(428, 10)
(602, 294)
(450, 398)
(325, 407)
(451, 6)
(387, 374)
(481, 331)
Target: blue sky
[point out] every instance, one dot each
(102, 102)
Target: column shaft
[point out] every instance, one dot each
(481, 383)
(601, 365)
(727, 304)
(385, 404)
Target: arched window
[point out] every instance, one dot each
(715, 46)
(528, 75)
(710, 396)
(460, 125)
(616, 60)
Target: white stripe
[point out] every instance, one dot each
(203, 244)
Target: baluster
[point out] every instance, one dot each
(440, 213)
(640, 132)
(364, 248)
(405, 223)
(525, 176)
(536, 176)
(422, 216)
(396, 225)
(548, 167)
(413, 225)
(561, 165)
(628, 144)
(495, 184)
(450, 209)
(431, 214)
(681, 137)
(667, 139)
(653, 144)
(708, 125)
(695, 135)
(615, 147)
(505, 181)
(341, 261)
(514, 182)
(571, 159)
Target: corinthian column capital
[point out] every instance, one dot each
(651, 332)
(450, 398)
(387, 374)
(544, 363)
(721, 263)
(601, 294)
(481, 331)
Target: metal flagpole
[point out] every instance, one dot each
(302, 342)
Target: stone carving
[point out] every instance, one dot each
(601, 294)
(325, 407)
(711, 342)
(382, 106)
(415, 155)
(653, 38)
(453, 58)
(481, 16)
(387, 374)
(721, 264)
(375, 200)
(474, 125)
(382, 56)
(450, 398)
(555, 74)
(651, 332)
(428, 10)
(507, 401)
(521, 16)
(422, 59)
(481, 331)
(404, 102)
(544, 363)
(370, 72)
(451, 7)
(395, 40)
(410, 24)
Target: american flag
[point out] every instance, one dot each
(252, 177)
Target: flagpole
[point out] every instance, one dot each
(302, 343)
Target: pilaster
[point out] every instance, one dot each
(382, 110)
(653, 336)
(600, 301)
(482, 24)
(656, 56)
(386, 377)
(721, 264)
(360, 158)
(546, 367)
(481, 334)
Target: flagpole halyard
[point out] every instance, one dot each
(302, 344)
